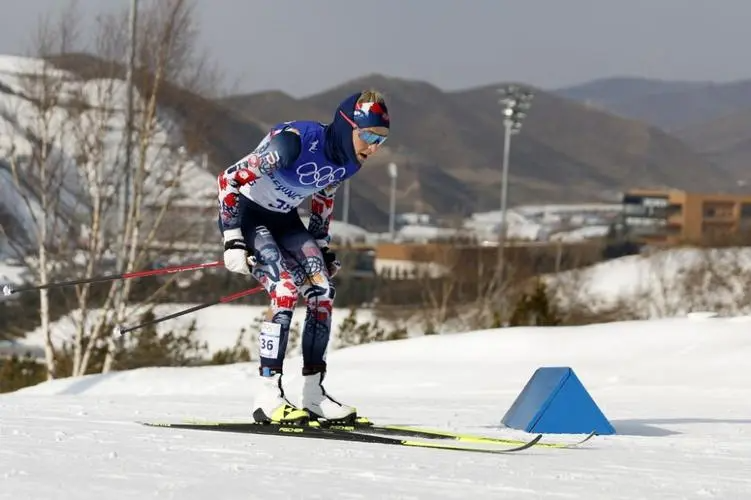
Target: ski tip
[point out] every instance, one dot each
(576, 444)
(589, 436)
(156, 424)
(7, 290)
(525, 446)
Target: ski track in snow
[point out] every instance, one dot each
(684, 432)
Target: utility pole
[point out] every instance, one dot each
(127, 179)
(392, 201)
(515, 101)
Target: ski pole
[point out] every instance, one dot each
(9, 290)
(120, 330)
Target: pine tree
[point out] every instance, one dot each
(535, 308)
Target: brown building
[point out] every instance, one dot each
(673, 216)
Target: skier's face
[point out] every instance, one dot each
(367, 141)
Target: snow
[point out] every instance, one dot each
(518, 225)
(654, 286)
(423, 234)
(219, 326)
(676, 391)
(344, 232)
(665, 283)
(581, 233)
(12, 274)
(571, 222)
(101, 125)
(570, 207)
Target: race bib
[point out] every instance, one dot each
(271, 335)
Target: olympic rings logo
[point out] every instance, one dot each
(310, 174)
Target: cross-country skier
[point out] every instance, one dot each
(258, 200)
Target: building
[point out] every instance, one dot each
(673, 216)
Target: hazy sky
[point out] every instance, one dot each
(305, 46)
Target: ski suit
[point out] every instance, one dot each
(258, 200)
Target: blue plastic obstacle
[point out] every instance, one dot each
(555, 401)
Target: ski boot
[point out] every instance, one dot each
(321, 406)
(272, 407)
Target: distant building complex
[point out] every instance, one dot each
(674, 216)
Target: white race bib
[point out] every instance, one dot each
(271, 334)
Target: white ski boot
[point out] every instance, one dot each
(271, 406)
(321, 405)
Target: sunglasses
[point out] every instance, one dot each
(366, 135)
(371, 138)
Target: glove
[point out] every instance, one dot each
(332, 263)
(236, 253)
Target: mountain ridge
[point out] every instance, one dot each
(448, 145)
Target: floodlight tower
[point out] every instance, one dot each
(515, 101)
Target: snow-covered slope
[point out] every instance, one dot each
(519, 226)
(12, 274)
(676, 391)
(573, 222)
(87, 121)
(218, 326)
(665, 283)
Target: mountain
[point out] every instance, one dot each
(610, 91)
(670, 105)
(205, 125)
(273, 107)
(564, 141)
(712, 118)
(725, 141)
(448, 146)
(187, 125)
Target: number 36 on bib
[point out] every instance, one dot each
(269, 339)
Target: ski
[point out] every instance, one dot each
(364, 425)
(329, 433)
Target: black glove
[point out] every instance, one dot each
(332, 263)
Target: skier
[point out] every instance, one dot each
(264, 236)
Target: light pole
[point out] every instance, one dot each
(392, 201)
(516, 102)
(125, 193)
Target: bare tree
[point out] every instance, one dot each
(434, 270)
(39, 196)
(579, 304)
(716, 280)
(165, 58)
(460, 286)
(676, 281)
(84, 119)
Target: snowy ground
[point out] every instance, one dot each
(665, 284)
(218, 326)
(11, 274)
(571, 222)
(677, 392)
